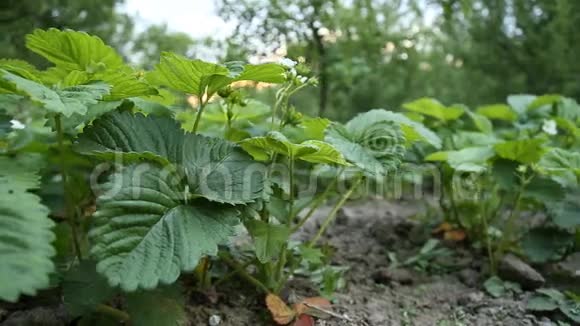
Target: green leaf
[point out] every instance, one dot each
(561, 162)
(432, 107)
(144, 234)
(125, 84)
(83, 289)
(412, 130)
(495, 287)
(565, 213)
(164, 306)
(20, 68)
(498, 112)
(314, 128)
(545, 244)
(374, 146)
(471, 159)
(25, 231)
(521, 102)
(313, 151)
(481, 122)
(216, 169)
(73, 50)
(269, 239)
(544, 100)
(525, 151)
(252, 111)
(196, 76)
(66, 102)
(571, 310)
(541, 303)
(189, 76)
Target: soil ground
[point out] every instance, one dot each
(362, 236)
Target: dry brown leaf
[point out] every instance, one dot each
(442, 228)
(302, 308)
(455, 235)
(304, 320)
(281, 313)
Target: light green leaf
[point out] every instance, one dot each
(189, 76)
(66, 102)
(525, 151)
(20, 68)
(313, 128)
(549, 99)
(471, 159)
(83, 289)
(267, 73)
(412, 130)
(313, 151)
(520, 103)
(216, 169)
(73, 50)
(269, 239)
(144, 234)
(164, 306)
(125, 83)
(498, 112)
(376, 146)
(432, 107)
(462, 139)
(25, 232)
(196, 76)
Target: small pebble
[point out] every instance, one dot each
(214, 320)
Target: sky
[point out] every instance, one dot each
(194, 17)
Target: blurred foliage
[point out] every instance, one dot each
(376, 53)
(366, 53)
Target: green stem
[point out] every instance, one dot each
(69, 209)
(512, 219)
(113, 312)
(241, 270)
(317, 202)
(204, 277)
(283, 252)
(492, 263)
(200, 108)
(333, 212)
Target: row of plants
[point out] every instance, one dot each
(116, 183)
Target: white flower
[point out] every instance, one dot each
(289, 63)
(303, 79)
(549, 127)
(17, 124)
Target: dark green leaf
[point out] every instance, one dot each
(83, 289)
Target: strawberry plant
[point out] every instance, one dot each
(499, 161)
(126, 191)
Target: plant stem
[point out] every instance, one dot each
(241, 270)
(512, 218)
(491, 257)
(283, 251)
(333, 212)
(68, 205)
(200, 108)
(113, 312)
(317, 202)
(204, 279)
